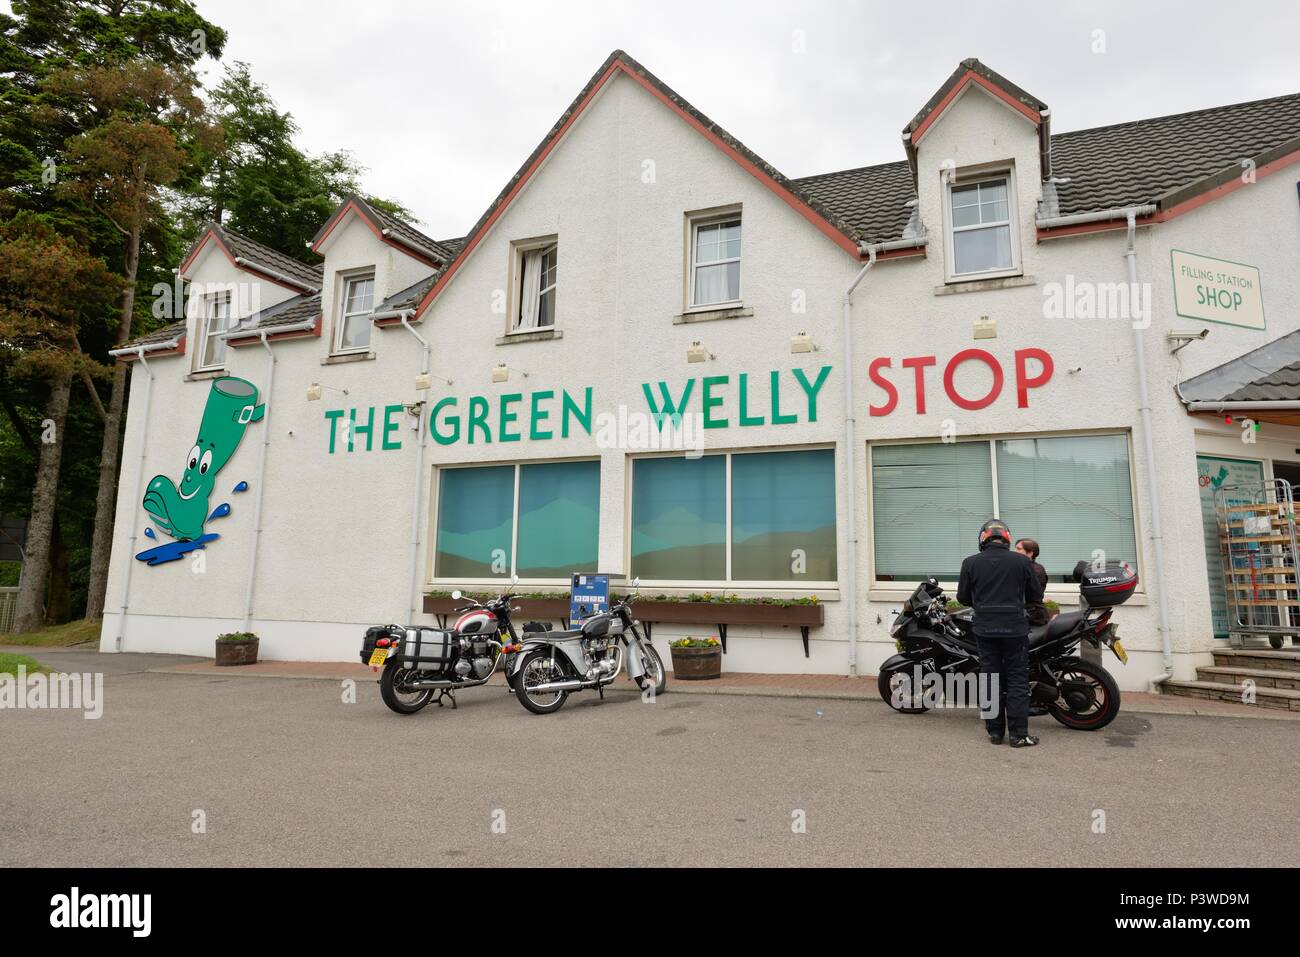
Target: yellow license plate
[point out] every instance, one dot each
(1120, 653)
(378, 656)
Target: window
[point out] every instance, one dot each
(538, 268)
(715, 261)
(1073, 494)
(358, 303)
(534, 521)
(742, 517)
(981, 232)
(216, 320)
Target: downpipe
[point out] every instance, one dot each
(139, 480)
(851, 460)
(261, 483)
(1148, 451)
(417, 497)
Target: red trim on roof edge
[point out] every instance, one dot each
(379, 234)
(789, 198)
(1028, 112)
(1186, 206)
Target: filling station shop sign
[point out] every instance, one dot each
(778, 397)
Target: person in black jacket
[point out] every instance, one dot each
(997, 582)
(1036, 610)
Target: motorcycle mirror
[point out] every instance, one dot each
(456, 595)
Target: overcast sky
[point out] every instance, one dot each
(443, 101)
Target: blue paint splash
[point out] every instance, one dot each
(148, 533)
(174, 551)
(221, 511)
(241, 487)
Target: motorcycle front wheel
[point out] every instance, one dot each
(1088, 696)
(653, 667)
(391, 684)
(537, 669)
(895, 687)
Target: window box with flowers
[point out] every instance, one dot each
(696, 659)
(237, 648)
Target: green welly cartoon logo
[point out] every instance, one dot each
(183, 511)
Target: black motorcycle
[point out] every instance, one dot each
(420, 662)
(934, 643)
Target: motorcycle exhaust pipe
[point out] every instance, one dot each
(572, 684)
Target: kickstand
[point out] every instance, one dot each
(449, 694)
(601, 689)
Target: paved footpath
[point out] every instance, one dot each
(290, 771)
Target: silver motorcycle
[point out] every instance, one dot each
(554, 663)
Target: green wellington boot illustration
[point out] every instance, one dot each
(181, 511)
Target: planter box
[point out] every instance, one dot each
(542, 609)
(723, 613)
(696, 664)
(237, 652)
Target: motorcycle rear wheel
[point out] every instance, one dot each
(403, 702)
(537, 667)
(1092, 704)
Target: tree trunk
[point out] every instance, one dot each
(58, 601)
(40, 524)
(110, 455)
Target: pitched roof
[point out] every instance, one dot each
(1162, 160)
(1269, 373)
(167, 333)
(255, 255)
(388, 228)
(873, 200)
(291, 311)
(802, 201)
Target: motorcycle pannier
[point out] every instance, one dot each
(391, 632)
(1105, 586)
(428, 649)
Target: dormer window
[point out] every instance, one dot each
(216, 320)
(981, 235)
(538, 271)
(358, 302)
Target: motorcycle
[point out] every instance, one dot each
(420, 662)
(553, 664)
(1079, 694)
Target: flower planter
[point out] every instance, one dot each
(237, 652)
(696, 664)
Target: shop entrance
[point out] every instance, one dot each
(1212, 473)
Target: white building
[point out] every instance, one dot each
(856, 429)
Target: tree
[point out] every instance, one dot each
(259, 183)
(147, 122)
(48, 286)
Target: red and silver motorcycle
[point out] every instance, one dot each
(420, 662)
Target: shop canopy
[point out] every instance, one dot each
(1263, 385)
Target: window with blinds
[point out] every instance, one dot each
(1073, 494)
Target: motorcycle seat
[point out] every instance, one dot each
(557, 635)
(1058, 626)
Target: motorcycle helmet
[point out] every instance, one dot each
(993, 530)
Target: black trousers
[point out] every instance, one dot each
(1008, 658)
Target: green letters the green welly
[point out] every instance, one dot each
(181, 511)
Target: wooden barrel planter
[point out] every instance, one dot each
(239, 652)
(696, 664)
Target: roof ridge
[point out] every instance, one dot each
(1178, 116)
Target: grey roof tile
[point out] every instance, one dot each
(287, 313)
(158, 336)
(1280, 386)
(242, 247)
